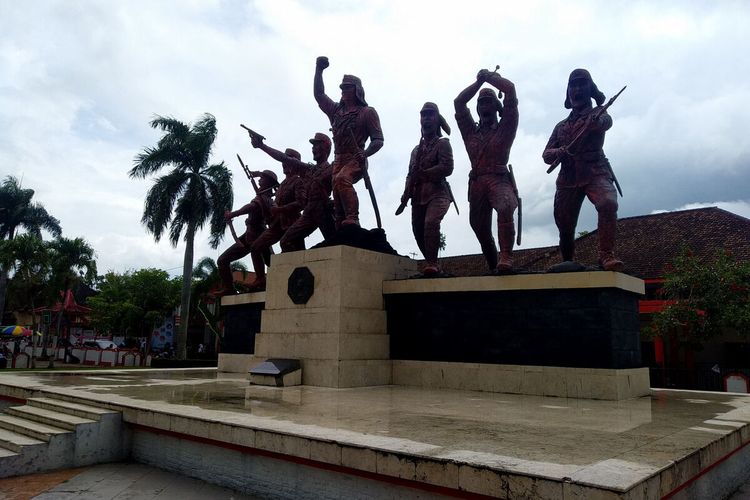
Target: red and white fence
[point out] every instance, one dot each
(88, 356)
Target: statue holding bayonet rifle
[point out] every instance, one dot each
(313, 191)
(258, 213)
(426, 185)
(576, 144)
(491, 181)
(353, 122)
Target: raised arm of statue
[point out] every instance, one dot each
(276, 154)
(502, 84)
(324, 102)
(461, 101)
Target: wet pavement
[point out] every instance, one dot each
(546, 436)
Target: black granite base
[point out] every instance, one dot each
(241, 323)
(584, 328)
(358, 237)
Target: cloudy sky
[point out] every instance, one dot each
(79, 82)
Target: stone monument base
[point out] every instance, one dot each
(352, 320)
(582, 383)
(324, 307)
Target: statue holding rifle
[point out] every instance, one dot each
(257, 211)
(576, 144)
(491, 183)
(426, 185)
(353, 122)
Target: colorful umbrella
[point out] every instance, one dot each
(15, 330)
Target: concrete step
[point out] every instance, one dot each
(48, 417)
(35, 430)
(5, 453)
(77, 409)
(15, 442)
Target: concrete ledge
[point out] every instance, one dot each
(593, 279)
(585, 383)
(345, 254)
(243, 298)
(237, 363)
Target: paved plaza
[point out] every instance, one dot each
(607, 444)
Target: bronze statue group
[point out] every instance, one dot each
(287, 212)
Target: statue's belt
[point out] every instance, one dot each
(491, 170)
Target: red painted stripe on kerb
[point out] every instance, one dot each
(703, 472)
(442, 490)
(12, 399)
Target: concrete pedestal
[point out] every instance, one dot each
(337, 328)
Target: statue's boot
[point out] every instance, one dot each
(431, 270)
(506, 234)
(227, 283)
(607, 230)
(489, 250)
(567, 247)
(429, 247)
(350, 204)
(258, 285)
(259, 265)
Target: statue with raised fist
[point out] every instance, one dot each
(353, 123)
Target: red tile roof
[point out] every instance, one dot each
(646, 243)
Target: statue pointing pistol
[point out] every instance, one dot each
(312, 193)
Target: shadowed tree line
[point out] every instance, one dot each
(34, 271)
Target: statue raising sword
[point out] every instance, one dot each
(488, 145)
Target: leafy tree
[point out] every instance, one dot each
(72, 262)
(206, 278)
(133, 302)
(18, 211)
(206, 275)
(189, 195)
(705, 299)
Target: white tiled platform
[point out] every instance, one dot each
(444, 442)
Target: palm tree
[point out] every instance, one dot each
(72, 262)
(18, 211)
(31, 266)
(206, 278)
(206, 275)
(189, 195)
